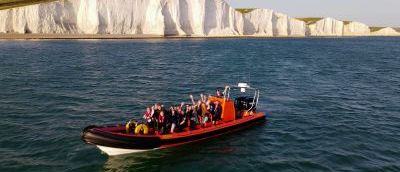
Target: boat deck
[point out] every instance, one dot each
(209, 127)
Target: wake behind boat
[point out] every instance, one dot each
(209, 118)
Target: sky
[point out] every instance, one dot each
(370, 12)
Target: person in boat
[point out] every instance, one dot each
(155, 115)
(174, 119)
(182, 106)
(148, 116)
(191, 117)
(181, 118)
(217, 112)
(196, 110)
(203, 110)
(204, 113)
(161, 122)
(210, 109)
(219, 93)
(203, 98)
(158, 108)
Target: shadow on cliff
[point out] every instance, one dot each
(173, 26)
(210, 14)
(170, 27)
(185, 19)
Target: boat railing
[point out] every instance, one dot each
(243, 87)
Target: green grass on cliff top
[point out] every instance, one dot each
(310, 20)
(347, 22)
(375, 29)
(5, 4)
(313, 20)
(244, 10)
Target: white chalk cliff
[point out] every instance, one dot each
(155, 17)
(200, 18)
(167, 17)
(86, 17)
(259, 23)
(356, 29)
(386, 32)
(326, 27)
(265, 22)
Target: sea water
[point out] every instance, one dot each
(331, 103)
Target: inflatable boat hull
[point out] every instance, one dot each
(119, 151)
(113, 141)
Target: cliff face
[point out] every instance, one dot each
(326, 27)
(297, 27)
(259, 22)
(119, 16)
(42, 18)
(386, 32)
(157, 17)
(265, 22)
(86, 17)
(356, 29)
(167, 17)
(201, 17)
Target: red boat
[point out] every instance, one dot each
(237, 114)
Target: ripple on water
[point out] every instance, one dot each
(331, 104)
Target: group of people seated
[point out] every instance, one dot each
(182, 116)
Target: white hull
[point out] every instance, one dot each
(119, 151)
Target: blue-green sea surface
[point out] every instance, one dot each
(332, 104)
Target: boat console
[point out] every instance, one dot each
(246, 98)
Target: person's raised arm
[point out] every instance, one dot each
(202, 97)
(191, 98)
(152, 111)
